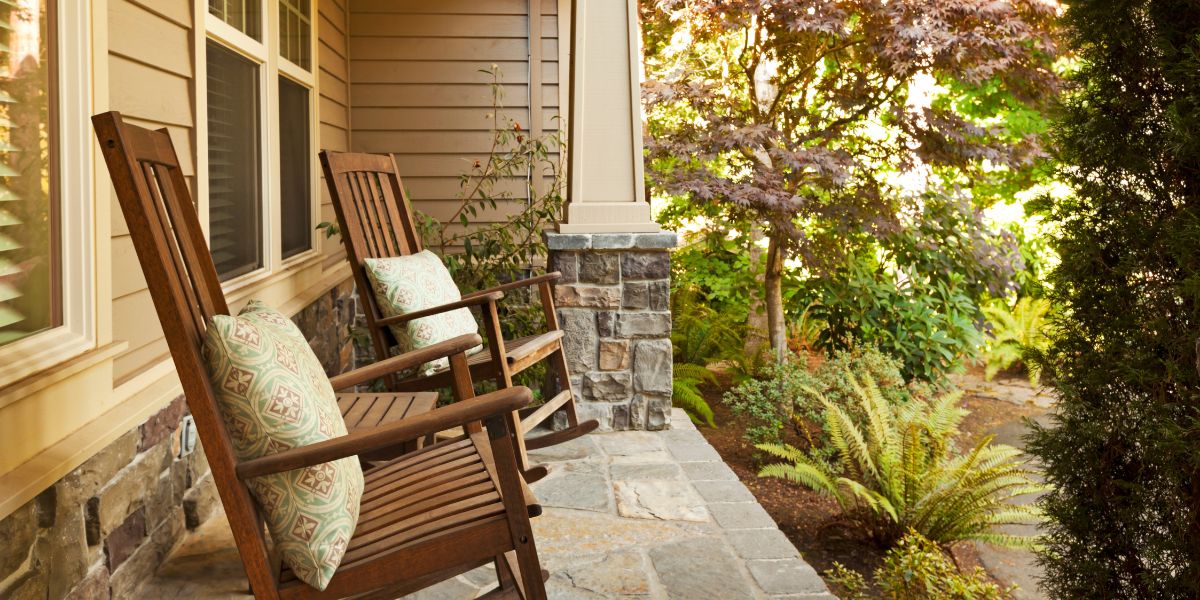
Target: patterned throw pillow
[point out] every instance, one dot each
(405, 284)
(273, 395)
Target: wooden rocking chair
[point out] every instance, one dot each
(376, 221)
(426, 515)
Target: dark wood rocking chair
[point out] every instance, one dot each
(426, 515)
(376, 221)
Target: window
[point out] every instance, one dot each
(294, 32)
(260, 134)
(295, 168)
(45, 185)
(234, 185)
(242, 15)
(30, 298)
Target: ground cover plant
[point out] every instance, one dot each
(918, 569)
(787, 397)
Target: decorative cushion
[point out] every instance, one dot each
(405, 284)
(273, 395)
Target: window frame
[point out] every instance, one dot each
(271, 66)
(75, 182)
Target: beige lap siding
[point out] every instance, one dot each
(333, 80)
(150, 81)
(417, 91)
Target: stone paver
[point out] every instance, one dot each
(786, 576)
(630, 515)
(761, 543)
(741, 515)
(700, 569)
(664, 500)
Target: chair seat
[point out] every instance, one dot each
(362, 411)
(422, 495)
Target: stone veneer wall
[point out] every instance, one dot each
(105, 528)
(614, 305)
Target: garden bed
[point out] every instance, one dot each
(810, 520)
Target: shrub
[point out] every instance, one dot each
(788, 395)
(781, 397)
(685, 392)
(927, 327)
(917, 569)
(1015, 331)
(902, 470)
(1124, 516)
(916, 293)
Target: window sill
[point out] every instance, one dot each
(241, 287)
(63, 370)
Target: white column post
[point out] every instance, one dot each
(606, 189)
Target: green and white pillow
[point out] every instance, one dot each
(273, 395)
(406, 284)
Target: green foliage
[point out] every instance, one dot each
(917, 294)
(685, 392)
(1124, 516)
(504, 250)
(781, 397)
(699, 334)
(917, 569)
(1015, 331)
(484, 256)
(928, 327)
(901, 470)
(786, 395)
(796, 120)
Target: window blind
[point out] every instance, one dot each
(234, 163)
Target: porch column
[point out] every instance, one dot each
(614, 296)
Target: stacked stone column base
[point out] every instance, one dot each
(614, 306)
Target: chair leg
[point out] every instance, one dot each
(558, 360)
(575, 428)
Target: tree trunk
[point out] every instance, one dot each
(756, 321)
(773, 286)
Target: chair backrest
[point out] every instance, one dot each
(183, 282)
(375, 218)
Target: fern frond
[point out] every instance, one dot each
(693, 372)
(686, 396)
(806, 475)
(1022, 542)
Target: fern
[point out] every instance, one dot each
(685, 392)
(900, 469)
(1013, 332)
(699, 334)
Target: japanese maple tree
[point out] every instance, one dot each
(795, 116)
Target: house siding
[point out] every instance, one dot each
(150, 82)
(420, 91)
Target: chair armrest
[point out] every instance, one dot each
(465, 302)
(495, 404)
(520, 283)
(407, 360)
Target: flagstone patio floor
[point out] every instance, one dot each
(653, 515)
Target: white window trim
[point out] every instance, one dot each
(76, 157)
(266, 54)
